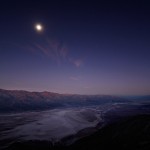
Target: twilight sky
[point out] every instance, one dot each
(85, 47)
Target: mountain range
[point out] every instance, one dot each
(17, 100)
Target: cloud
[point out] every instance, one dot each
(77, 62)
(74, 78)
(56, 51)
(52, 49)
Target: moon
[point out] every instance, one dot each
(39, 27)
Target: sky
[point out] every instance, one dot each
(84, 47)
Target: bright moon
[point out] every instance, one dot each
(39, 27)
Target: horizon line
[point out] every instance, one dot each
(32, 91)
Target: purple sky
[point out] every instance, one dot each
(84, 48)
